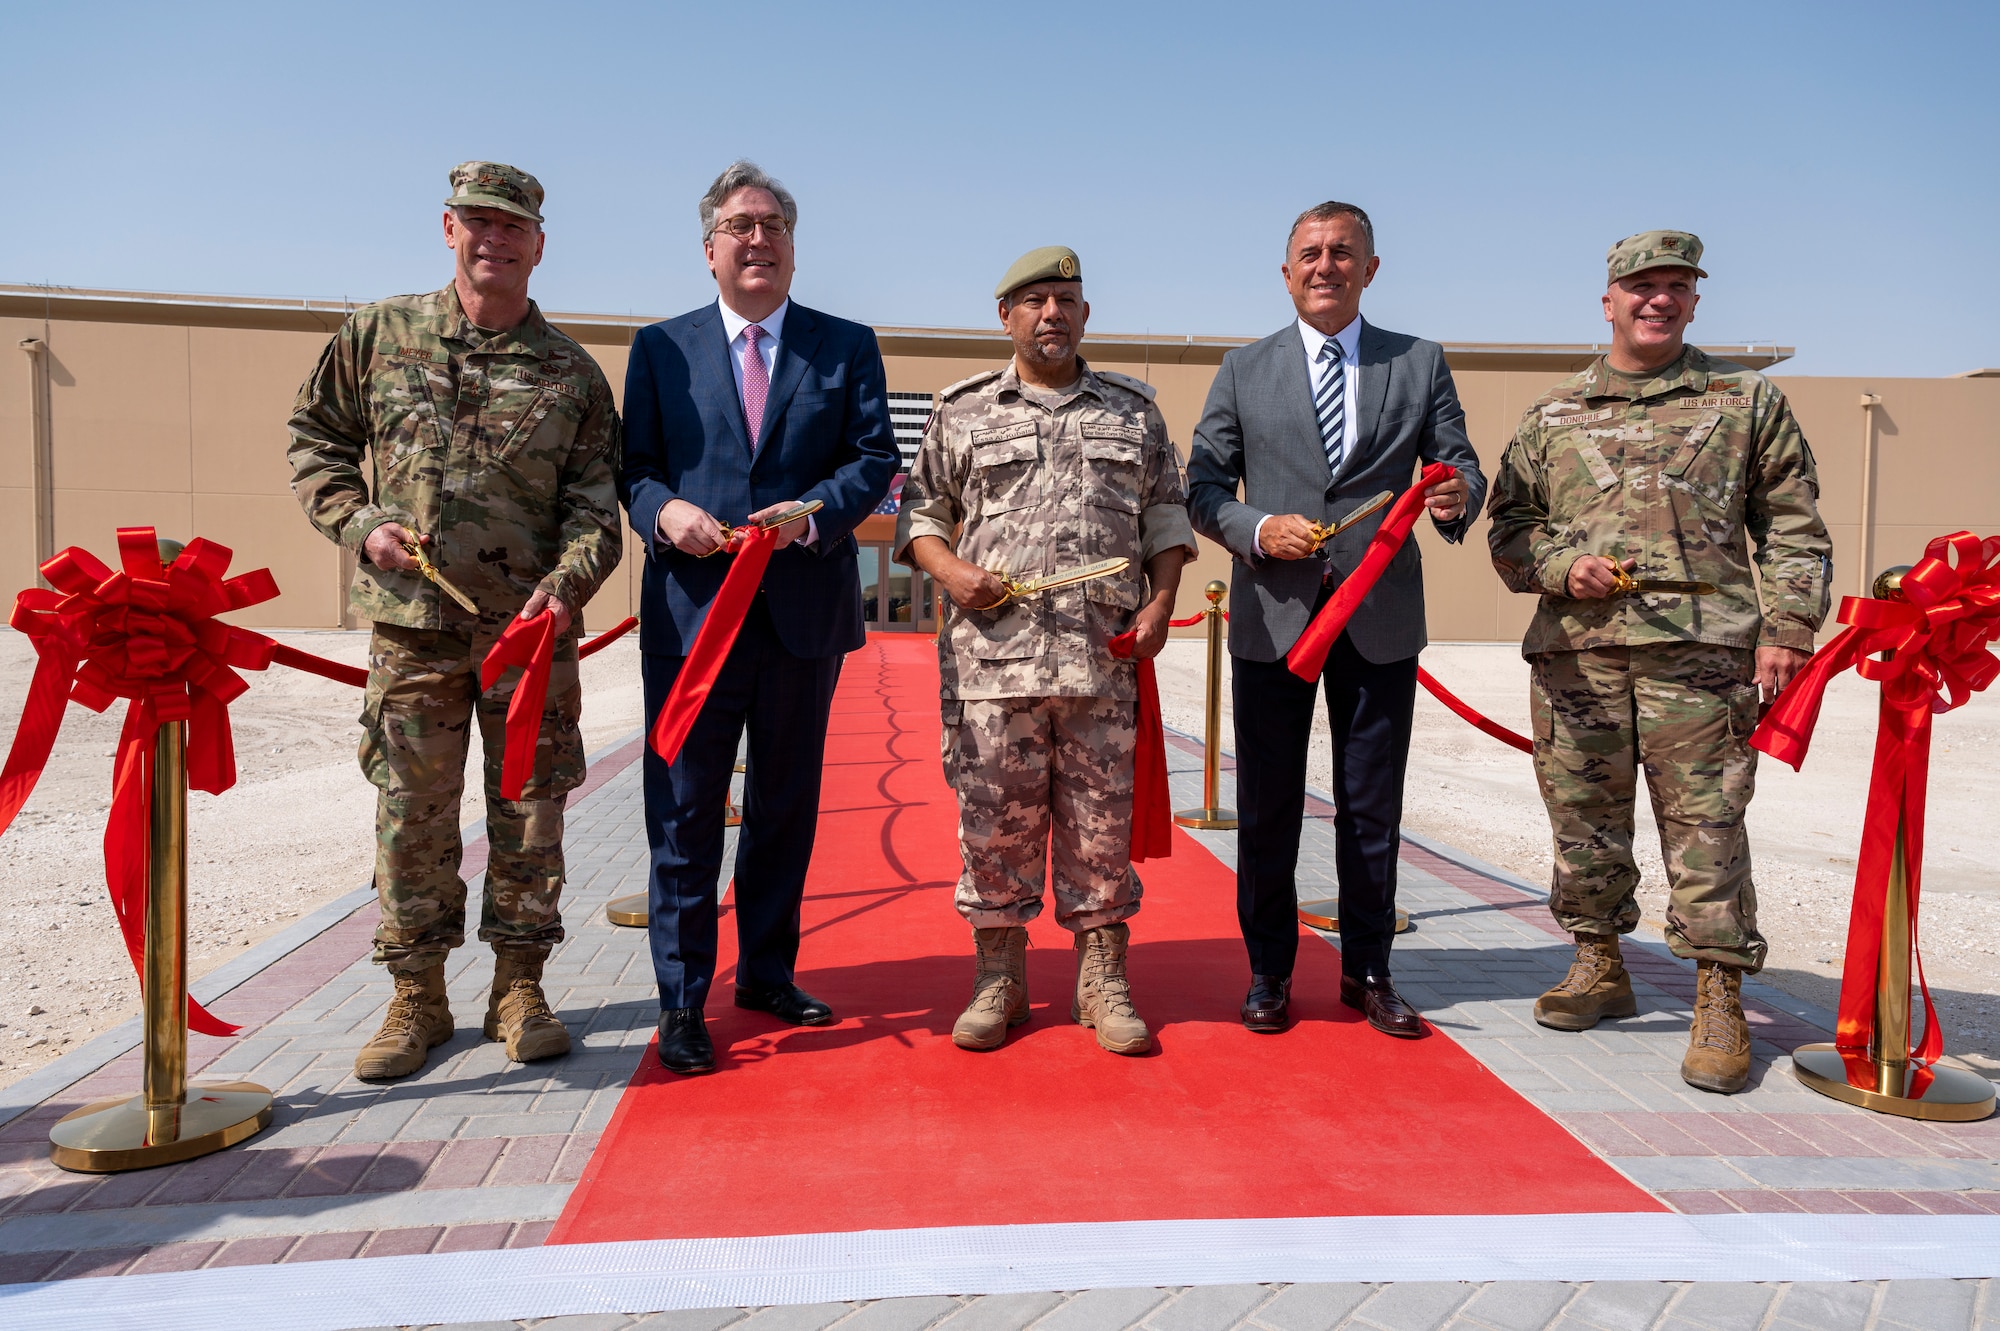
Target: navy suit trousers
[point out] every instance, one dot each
(1370, 707)
(783, 701)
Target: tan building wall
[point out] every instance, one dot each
(171, 411)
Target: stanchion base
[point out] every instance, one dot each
(634, 912)
(1953, 1095)
(1325, 915)
(1209, 820)
(109, 1136)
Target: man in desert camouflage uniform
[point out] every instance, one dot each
(1038, 468)
(492, 439)
(1665, 463)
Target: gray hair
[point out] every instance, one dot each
(744, 174)
(1326, 212)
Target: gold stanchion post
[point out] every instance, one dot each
(168, 1120)
(1210, 816)
(1885, 1078)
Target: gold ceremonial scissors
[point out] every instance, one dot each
(792, 514)
(1624, 584)
(1014, 589)
(429, 570)
(1321, 533)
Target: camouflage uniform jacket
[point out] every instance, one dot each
(1026, 483)
(1681, 472)
(503, 450)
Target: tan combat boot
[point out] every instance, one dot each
(999, 989)
(1718, 1056)
(418, 1020)
(1597, 986)
(1104, 995)
(517, 1012)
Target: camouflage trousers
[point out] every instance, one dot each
(423, 699)
(1684, 712)
(1043, 782)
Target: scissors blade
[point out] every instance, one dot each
(1104, 568)
(429, 570)
(792, 514)
(1374, 505)
(1672, 587)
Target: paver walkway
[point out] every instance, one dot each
(477, 1153)
(1901, 1305)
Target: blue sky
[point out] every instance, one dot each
(1838, 160)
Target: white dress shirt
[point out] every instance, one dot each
(773, 325)
(1350, 365)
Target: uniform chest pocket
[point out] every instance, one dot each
(532, 427)
(1006, 467)
(408, 421)
(1114, 466)
(1707, 468)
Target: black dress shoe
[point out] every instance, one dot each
(684, 1044)
(1268, 1009)
(787, 1002)
(1382, 1005)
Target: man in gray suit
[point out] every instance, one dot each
(1310, 422)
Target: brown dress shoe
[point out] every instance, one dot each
(1268, 1008)
(1382, 1005)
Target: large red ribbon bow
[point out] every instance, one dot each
(752, 548)
(1308, 655)
(1935, 646)
(146, 633)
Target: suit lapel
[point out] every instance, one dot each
(795, 351)
(1295, 387)
(713, 350)
(1374, 393)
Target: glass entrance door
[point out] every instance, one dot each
(894, 598)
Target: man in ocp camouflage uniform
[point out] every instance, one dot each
(1041, 467)
(491, 438)
(1668, 464)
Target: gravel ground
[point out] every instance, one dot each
(297, 830)
(1805, 827)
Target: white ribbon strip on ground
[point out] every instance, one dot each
(875, 1264)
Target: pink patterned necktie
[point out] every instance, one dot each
(756, 383)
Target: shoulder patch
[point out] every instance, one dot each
(970, 382)
(1139, 386)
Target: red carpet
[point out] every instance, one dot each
(879, 1122)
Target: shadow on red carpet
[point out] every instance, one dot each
(879, 1122)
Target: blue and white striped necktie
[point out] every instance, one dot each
(1330, 401)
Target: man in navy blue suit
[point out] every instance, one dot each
(733, 412)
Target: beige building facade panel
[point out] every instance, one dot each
(171, 411)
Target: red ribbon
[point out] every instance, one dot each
(146, 633)
(1308, 655)
(530, 644)
(1935, 643)
(318, 665)
(1467, 713)
(752, 548)
(606, 638)
(1152, 805)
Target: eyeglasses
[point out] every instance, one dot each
(741, 227)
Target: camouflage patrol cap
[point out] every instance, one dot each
(1050, 263)
(496, 185)
(1655, 249)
